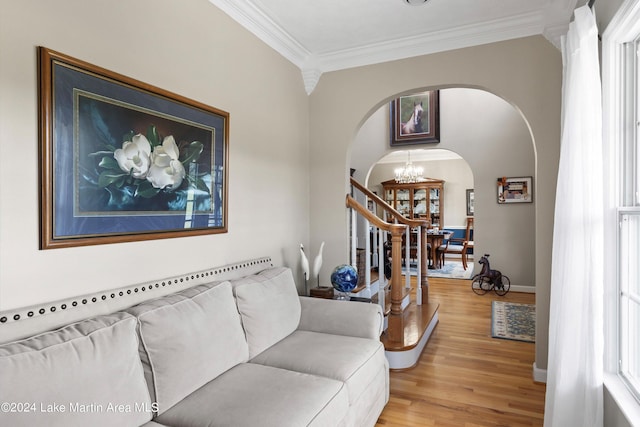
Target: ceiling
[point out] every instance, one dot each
(327, 35)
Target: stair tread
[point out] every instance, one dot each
(359, 289)
(415, 320)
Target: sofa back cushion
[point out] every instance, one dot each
(187, 339)
(269, 305)
(86, 373)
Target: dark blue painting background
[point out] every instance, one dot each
(79, 206)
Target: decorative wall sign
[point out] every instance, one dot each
(122, 160)
(470, 202)
(415, 119)
(515, 190)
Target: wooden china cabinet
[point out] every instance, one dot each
(419, 200)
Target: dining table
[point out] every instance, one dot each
(435, 239)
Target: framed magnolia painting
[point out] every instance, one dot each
(122, 160)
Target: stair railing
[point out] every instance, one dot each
(396, 231)
(421, 226)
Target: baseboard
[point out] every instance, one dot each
(539, 375)
(524, 289)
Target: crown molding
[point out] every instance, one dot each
(310, 76)
(558, 16)
(554, 33)
(312, 65)
(437, 41)
(263, 27)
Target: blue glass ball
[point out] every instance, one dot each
(344, 278)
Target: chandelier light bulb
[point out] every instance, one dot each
(409, 173)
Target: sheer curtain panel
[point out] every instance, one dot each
(575, 369)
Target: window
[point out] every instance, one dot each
(629, 314)
(621, 94)
(629, 222)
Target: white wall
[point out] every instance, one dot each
(525, 72)
(494, 140)
(187, 47)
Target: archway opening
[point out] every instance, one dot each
(494, 141)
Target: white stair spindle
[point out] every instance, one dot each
(407, 258)
(419, 259)
(354, 237)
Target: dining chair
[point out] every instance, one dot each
(455, 245)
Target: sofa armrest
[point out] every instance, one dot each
(356, 319)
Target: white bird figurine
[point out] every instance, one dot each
(305, 264)
(317, 263)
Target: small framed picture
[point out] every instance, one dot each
(515, 190)
(470, 202)
(415, 119)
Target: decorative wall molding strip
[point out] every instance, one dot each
(135, 293)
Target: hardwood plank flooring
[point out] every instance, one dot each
(465, 378)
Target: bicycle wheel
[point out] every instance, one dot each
(477, 283)
(504, 287)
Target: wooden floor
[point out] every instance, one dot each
(465, 378)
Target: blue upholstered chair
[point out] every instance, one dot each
(457, 245)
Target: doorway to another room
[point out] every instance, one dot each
(443, 195)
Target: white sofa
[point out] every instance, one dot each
(242, 352)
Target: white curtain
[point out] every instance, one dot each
(575, 365)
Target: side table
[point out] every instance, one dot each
(360, 299)
(322, 292)
(326, 292)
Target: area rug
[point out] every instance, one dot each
(512, 321)
(450, 270)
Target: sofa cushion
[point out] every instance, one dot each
(354, 361)
(251, 395)
(87, 373)
(187, 339)
(269, 305)
(337, 318)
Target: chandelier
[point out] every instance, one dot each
(409, 173)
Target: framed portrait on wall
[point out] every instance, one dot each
(415, 119)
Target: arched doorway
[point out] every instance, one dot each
(526, 72)
(446, 208)
(493, 140)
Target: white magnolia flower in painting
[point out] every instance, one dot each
(166, 170)
(134, 156)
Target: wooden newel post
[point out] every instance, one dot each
(397, 288)
(424, 264)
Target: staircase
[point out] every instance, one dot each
(409, 316)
